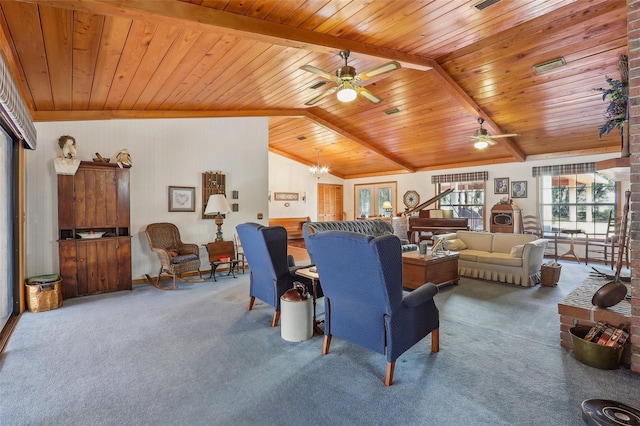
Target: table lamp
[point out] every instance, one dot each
(217, 205)
(387, 207)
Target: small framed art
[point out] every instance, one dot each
(286, 196)
(182, 199)
(501, 186)
(519, 189)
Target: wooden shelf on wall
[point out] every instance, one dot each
(212, 183)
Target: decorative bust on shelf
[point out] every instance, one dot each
(124, 158)
(67, 163)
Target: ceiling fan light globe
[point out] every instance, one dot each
(347, 94)
(481, 144)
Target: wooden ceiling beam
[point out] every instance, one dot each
(114, 115)
(314, 114)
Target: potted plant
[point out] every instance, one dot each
(616, 113)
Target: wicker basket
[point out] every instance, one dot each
(44, 293)
(549, 275)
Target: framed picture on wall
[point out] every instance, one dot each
(519, 189)
(182, 199)
(501, 186)
(286, 196)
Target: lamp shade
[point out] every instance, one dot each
(387, 205)
(217, 204)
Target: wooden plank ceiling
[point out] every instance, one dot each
(101, 59)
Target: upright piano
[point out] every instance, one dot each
(424, 226)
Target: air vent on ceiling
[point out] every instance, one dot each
(549, 65)
(485, 3)
(317, 85)
(301, 138)
(392, 111)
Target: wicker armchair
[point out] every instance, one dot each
(176, 257)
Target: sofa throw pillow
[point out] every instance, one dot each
(516, 251)
(455, 244)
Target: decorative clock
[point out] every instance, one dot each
(411, 199)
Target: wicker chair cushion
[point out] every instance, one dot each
(183, 258)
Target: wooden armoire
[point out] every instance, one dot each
(94, 240)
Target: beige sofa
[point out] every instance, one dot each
(509, 258)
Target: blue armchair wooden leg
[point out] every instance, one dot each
(251, 300)
(327, 343)
(435, 340)
(388, 380)
(276, 319)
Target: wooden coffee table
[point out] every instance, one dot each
(418, 269)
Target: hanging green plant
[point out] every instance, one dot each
(616, 113)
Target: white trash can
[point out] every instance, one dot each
(296, 314)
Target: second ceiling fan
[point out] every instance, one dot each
(346, 80)
(482, 138)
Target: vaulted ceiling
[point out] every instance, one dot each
(460, 61)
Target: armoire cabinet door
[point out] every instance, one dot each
(95, 198)
(68, 268)
(104, 265)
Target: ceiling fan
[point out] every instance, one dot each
(346, 80)
(483, 139)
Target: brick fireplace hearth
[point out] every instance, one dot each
(576, 308)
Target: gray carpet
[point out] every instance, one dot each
(197, 356)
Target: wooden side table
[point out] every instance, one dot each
(222, 253)
(312, 274)
(572, 233)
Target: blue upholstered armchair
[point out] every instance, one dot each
(272, 271)
(361, 278)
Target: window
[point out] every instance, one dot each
(370, 197)
(577, 201)
(466, 200)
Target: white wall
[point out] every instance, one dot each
(168, 152)
(286, 175)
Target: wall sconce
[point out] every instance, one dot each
(234, 195)
(234, 207)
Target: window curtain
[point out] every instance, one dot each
(460, 177)
(564, 169)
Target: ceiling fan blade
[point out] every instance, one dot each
(318, 71)
(379, 70)
(368, 95)
(321, 96)
(506, 135)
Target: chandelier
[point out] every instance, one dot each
(317, 170)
